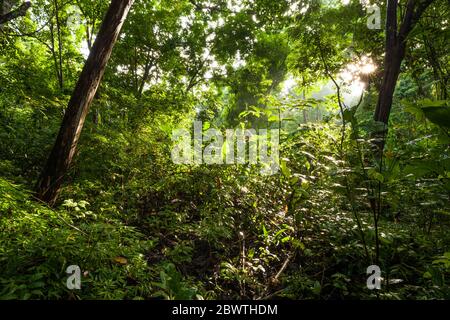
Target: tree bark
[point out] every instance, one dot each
(49, 183)
(396, 42)
(19, 12)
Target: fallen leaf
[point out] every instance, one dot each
(121, 260)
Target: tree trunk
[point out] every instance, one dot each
(49, 183)
(19, 12)
(396, 41)
(60, 58)
(305, 116)
(148, 65)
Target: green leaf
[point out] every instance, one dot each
(317, 288)
(284, 169)
(266, 234)
(347, 115)
(375, 175)
(437, 112)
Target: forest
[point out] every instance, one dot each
(224, 150)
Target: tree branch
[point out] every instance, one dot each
(19, 12)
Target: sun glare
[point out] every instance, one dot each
(351, 76)
(287, 85)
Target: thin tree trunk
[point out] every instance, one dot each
(148, 65)
(58, 33)
(49, 183)
(52, 50)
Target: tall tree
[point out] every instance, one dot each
(395, 49)
(49, 183)
(14, 14)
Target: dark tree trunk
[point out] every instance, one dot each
(396, 41)
(63, 151)
(19, 12)
(148, 65)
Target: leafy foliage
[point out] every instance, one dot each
(142, 227)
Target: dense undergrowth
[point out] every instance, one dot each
(141, 227)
